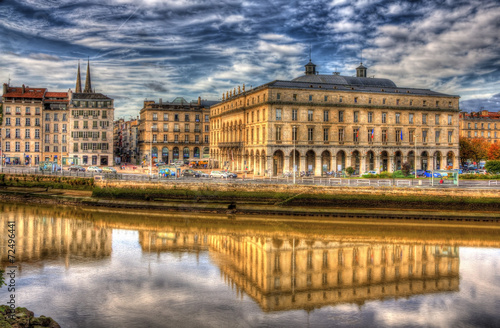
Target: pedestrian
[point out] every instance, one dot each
(441, 181)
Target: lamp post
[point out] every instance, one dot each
(416, 175)
(294, 136)
(151, 151)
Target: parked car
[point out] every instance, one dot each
(76, 168)
(218, 174)
(203, 174)
(190, 173)
(231, 175)
(94, 169)
(369, 173)
(108, 169)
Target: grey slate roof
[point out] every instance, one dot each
(85, 96)
(346, 80)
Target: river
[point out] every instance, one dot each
(89, 268)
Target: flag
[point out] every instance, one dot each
(373, 133)
(401, 135)
(357, 133)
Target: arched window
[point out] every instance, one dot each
(186, 152)
(196, 152)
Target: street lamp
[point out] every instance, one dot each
(294, 137)
(415, 138)
(151, 151)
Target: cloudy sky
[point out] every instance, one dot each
(154, 49)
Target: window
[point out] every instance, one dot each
(7, 121)
(450, 119)
(424, 136)
(371, 135)
(356, 117)
(384, 117)
(186, 127)
(165, 116)
(176, 117)
(186, 117)
(56, 117)
(383, 101)
(37, 147)
(206, 139)
(56, 127)
(56, 148)
(469, 134)
(424, 118)
(206, 128)
(186, 138)
(18, 110)
(410, 118)
(341, 135)
(399, 136)
(424, 103)
(278, 114)
(294, 133)
(326, 114)
(165, 127)
(369, 100)
(26, 146)
(294, 96)
(398, 118)
(341, 116)
(18, 121)
(27, 134)
(437, 103)
(7, 146)
(310, 134)
(384, 136)
(310, 98)
(397, 101)
(7, 110)
(438, 135)
(436, 121)
(370, 117)
(7, 133)
(326, 131)
(450, 136)
(56, 140)
(355, 135)
(28, 111)
(326, 98)
(278, 96)
(355, 99)
(176, 127)
(47, 127)
(197, 118)
(37, 133)
(294, 114)
(278, 133)
(18, 133)
(310, 115)
(18, 146)
(207, 118)
(340, 99)
(85, 124)
(28, 122)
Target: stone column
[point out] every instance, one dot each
(303, 163)
(269, 160)
(362, 165)
(334, 163)
(377, 163)
(286, 164)
(391, 165)
(318, 169)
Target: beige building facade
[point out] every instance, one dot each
(174, 131)
(324, 123)
(482, 124)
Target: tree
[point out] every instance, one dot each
(474, 149)
(350, 170)
(405, 169)
(492, 167)
(494, 152)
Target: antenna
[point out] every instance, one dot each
(310, 52)
(361, 56)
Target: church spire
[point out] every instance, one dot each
(78, 88)
(88, 86)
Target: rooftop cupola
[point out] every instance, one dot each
(310, 68)
(361, 71)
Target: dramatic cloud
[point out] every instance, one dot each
(164, 48)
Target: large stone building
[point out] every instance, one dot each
(91, 121)
(331, 122)
(64, 127)
(482, 124)
(177, 130)
(125, 135)
(21, 131)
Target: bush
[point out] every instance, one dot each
(349, 170)
(492, 167)
(405, 169)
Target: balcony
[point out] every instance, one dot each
(230, 144)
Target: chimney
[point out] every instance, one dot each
(199, 101)
(24, 89)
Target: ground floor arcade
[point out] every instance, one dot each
(273, 161)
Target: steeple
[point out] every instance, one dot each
(88, 87)
(78, 88)
(310, 68)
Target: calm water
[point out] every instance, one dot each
(91, 269)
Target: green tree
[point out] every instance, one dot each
(494, 152)
(405, 169)
(492, 167)
(349, 170)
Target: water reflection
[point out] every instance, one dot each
(42, 235)
(297, 273)
(179, 264)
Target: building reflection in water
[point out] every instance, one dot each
(49, 235)
(300, 273)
